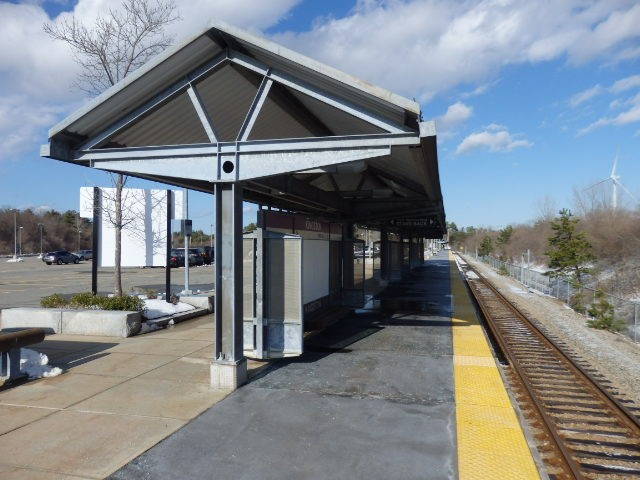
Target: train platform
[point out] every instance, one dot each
(405, 388)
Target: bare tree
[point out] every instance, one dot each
(107, 51)
(547, 208)
(117, 43)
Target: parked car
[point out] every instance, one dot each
(59, 257)
(195, 257)
(84, 254)
(176, 258)
(207, 255)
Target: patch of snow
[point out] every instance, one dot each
(160, 308)
(149, 327)
(518, 290)
(472, 275)
(36, 364)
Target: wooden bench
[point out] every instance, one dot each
(10, 344)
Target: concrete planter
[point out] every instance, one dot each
(75, 322)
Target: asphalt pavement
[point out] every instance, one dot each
(23, 284)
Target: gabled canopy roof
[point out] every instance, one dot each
(228, 106)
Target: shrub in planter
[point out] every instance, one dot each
(126, 302)
(86, 300)
(90, 301)
(53, 301)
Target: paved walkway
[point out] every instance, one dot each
(116, 399)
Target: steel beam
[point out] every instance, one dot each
(175, 89)
(254, 110)
(313, 92)
(202, 113)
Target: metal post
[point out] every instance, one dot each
(20, 240)
(186, 243)
(95, 241)
(385, 258)
(348, 267)
(15, 236)
(229, 369)
(167, 272)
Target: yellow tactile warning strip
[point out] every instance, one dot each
(491, 444)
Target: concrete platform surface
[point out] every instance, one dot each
(372, 397)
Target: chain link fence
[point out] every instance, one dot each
(625, 311)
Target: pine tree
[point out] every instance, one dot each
(486, 247)
(602, 314)
(503, 240)
(569, 250)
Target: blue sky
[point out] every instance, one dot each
(532, 103)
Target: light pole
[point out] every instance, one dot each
(211, 237)
(15, 236)
(20, 240)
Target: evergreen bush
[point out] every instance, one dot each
(602, 314)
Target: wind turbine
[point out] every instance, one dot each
(615, 183)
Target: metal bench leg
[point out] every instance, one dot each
(14, 363)
(10, 364)
(4, 364)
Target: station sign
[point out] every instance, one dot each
(412, 222)
(303, 225)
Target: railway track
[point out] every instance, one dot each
(583, 432)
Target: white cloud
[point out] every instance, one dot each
(418, 48)
(456, 114)
(37, 73)
(250, 15)
(625, 84)
(421, 48)
(632, 106)
(495, 138)
(632, 115)
(22, 123)
(585, 95)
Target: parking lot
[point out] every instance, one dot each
(23, 284)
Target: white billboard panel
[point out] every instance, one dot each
(144, 225)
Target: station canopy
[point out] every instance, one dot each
(228, 106)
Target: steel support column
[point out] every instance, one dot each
(385, 258)
(348, 269)
(229, 368)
